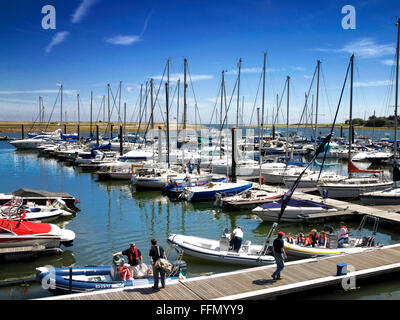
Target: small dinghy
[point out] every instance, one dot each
(93, 278)
(247, 200)
(220, 251)
(295, 210)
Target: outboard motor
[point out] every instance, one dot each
(177, 267)
(118, 262)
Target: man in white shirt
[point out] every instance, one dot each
(237, 236)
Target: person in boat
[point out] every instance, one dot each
(134, 255)
(343, 235)
(313, 237)
(290, 239)
(237, 237)
(155, 253)
(322, 239)
(279, 254)
(307, 241)
(300, 239)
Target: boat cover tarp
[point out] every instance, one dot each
(25, 227)
(24, 192)
(294, 203)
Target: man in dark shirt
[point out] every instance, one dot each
(134, 255)
(156, 252)
(279, 254)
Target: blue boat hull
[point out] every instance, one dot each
(211, 195)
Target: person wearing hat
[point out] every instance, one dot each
(279, 254)
(134, 255)
(237, 237)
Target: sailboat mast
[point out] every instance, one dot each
(287, 117)
(167, 108)
(177, 114)
(351, 105)
(262, 113)
(397, 93)
(61, 119)
(316, 105)
(238, 94)
(91, 113)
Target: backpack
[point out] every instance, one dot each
(163, 263)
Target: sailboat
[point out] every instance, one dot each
(352, 187)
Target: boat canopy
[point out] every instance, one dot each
(24, 192)
(294, 203)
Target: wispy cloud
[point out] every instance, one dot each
(175, 76)
(58, 38)
(82, 10)
(40, 91)
(364, 48)
(124, 40)
(388, 62)
(299, 68)
(378, 83)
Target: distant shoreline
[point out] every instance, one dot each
(15, 126)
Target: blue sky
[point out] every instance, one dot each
(101, 41)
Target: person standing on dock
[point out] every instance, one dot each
(279, 254)
(157, 252)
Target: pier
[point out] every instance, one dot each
(256, 283)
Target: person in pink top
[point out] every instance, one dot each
(343, 235)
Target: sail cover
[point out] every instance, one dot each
(351, 167)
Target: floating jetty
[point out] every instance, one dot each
(256, 283)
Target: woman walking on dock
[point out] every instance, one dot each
(279, 254)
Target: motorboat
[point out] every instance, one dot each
(220, 250)
(296, 210)
(157, 178)
(32, 211)
(34, 141)
(248, 199)
(95, 278)
(24, 233)
(356, 244)
(278, 175)
(118, 171)
(210, 190)
(39, 197)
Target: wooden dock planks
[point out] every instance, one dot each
(253, 283)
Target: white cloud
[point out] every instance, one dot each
(299, 68)
(364, 48)
(378, 83)
(41, 91)
(176, 76)
(124, 40)
(58, 38)
(388, 62)
(82, 10)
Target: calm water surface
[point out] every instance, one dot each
(113, 214)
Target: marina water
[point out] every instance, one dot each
(113, 214)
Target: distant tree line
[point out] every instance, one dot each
(374, 121)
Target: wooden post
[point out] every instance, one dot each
(111, 131)
(97, 134)
(65, 129)
(22, 131)
(159, 144)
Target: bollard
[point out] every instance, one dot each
(341, 269)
